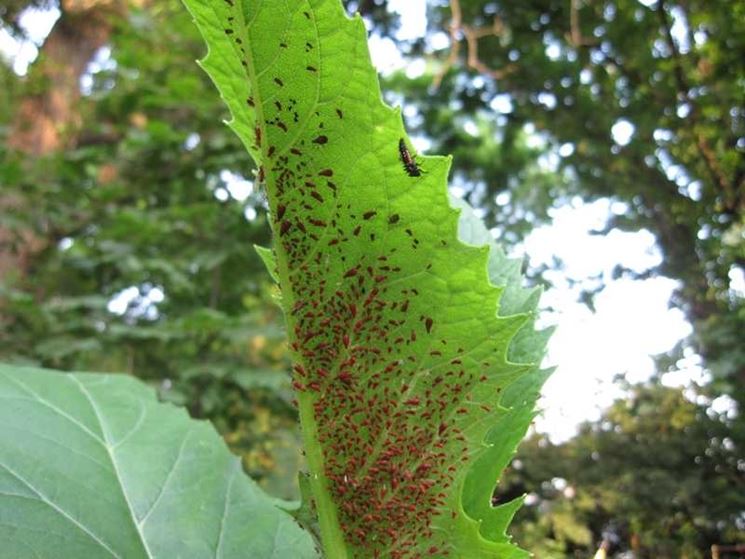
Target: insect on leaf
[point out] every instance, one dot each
(401, 359)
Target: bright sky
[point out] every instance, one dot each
(632, 321)
(37, 24)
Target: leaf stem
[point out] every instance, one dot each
(332, 538)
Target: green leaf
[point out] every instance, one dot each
(91, 465)
(518, 400)
(401, 358)
(267, 257)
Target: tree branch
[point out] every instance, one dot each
(708, 155)
(460, 31)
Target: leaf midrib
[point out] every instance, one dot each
(109, 447)
(333, 539)
(103, 442)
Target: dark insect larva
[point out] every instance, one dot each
(410, 165)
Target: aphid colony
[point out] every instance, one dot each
(390, 436)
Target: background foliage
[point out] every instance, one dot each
(126, 187)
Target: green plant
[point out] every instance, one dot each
(91, 465)
(413, 384)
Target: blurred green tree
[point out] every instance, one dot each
(658, 475)
(129, 238)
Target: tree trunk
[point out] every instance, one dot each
(47, 118)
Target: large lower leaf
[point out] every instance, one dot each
(401, 356)
(91, 466)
